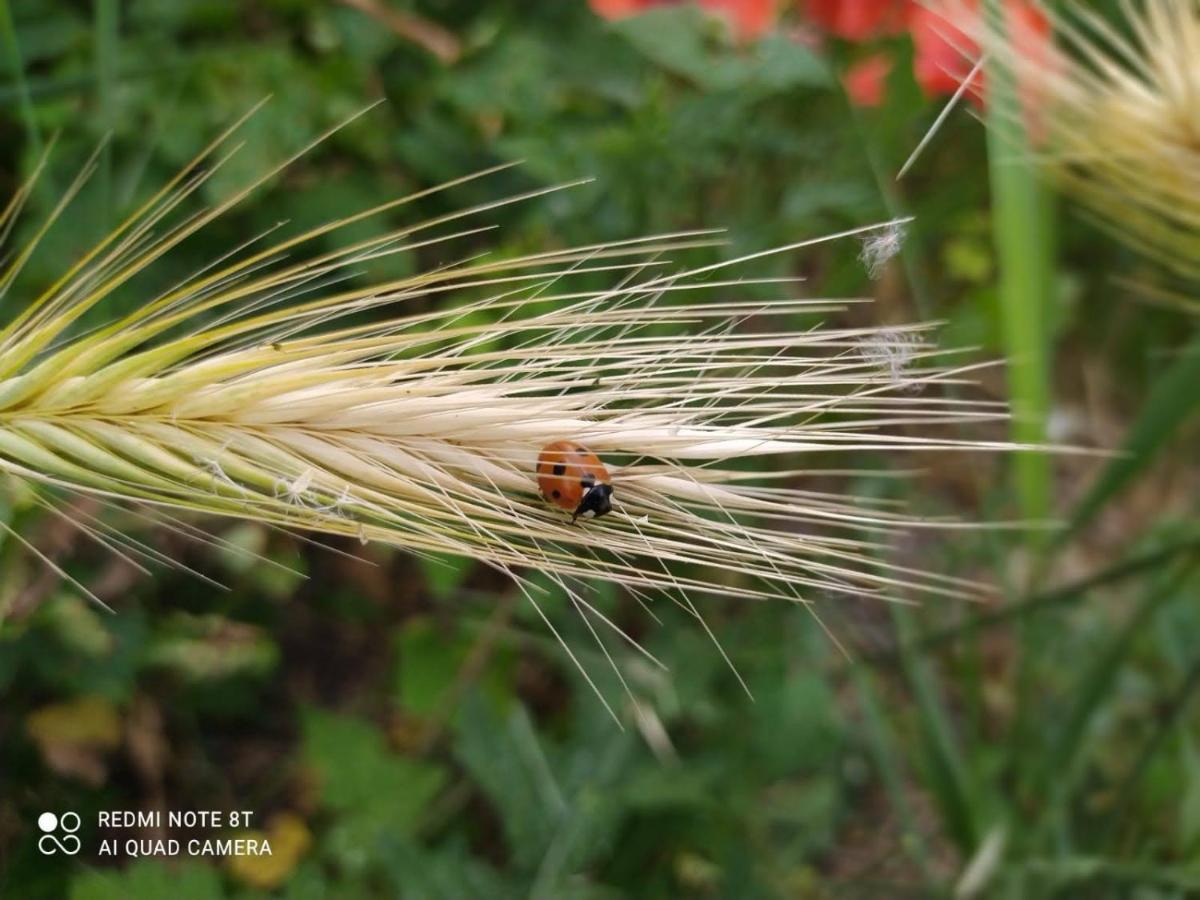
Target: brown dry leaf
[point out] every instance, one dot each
(146, 743)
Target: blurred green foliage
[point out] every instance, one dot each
(413, 720)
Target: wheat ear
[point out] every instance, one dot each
(253, 390)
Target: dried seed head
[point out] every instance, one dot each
(1121, 116)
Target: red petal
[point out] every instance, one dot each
(750, 18)
(866, 80)
(942, 51)
(617, 9)
(858, 20)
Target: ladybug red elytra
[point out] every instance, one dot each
(573, 478)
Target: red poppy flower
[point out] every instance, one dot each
(858, 20)
(943, 51)
(866, 80)
(749, 19)
(620, 9)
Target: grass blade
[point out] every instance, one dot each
(1171, 716)
(1059, 769)
(881, 743)
(946, 771)
(1073, 592)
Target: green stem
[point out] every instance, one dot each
(1023, 224)
(105, 23)
(12, 52)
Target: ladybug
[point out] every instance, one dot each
(573, 478)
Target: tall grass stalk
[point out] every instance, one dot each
(1023, 234)
(1022, 224)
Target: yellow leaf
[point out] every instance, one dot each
(73, 736)
(91, 720)
(289, 838)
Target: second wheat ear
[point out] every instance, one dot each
(1114, 112)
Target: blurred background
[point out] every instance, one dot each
(404, 727)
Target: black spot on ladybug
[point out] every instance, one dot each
(556, 493)
(559, 468)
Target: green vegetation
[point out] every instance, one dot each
(408, 727)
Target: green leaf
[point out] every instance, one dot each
(209, 648)
(1189, 806)
(797, 724)
(430, 658)
(149, 880)
(444, 574)
(509, 762)
(422, 874)
(373, 792)
(560, 806)
(243, 552)
(311, 881)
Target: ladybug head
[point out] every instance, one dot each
(595, 503)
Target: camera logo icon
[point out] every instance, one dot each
(51, 825)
